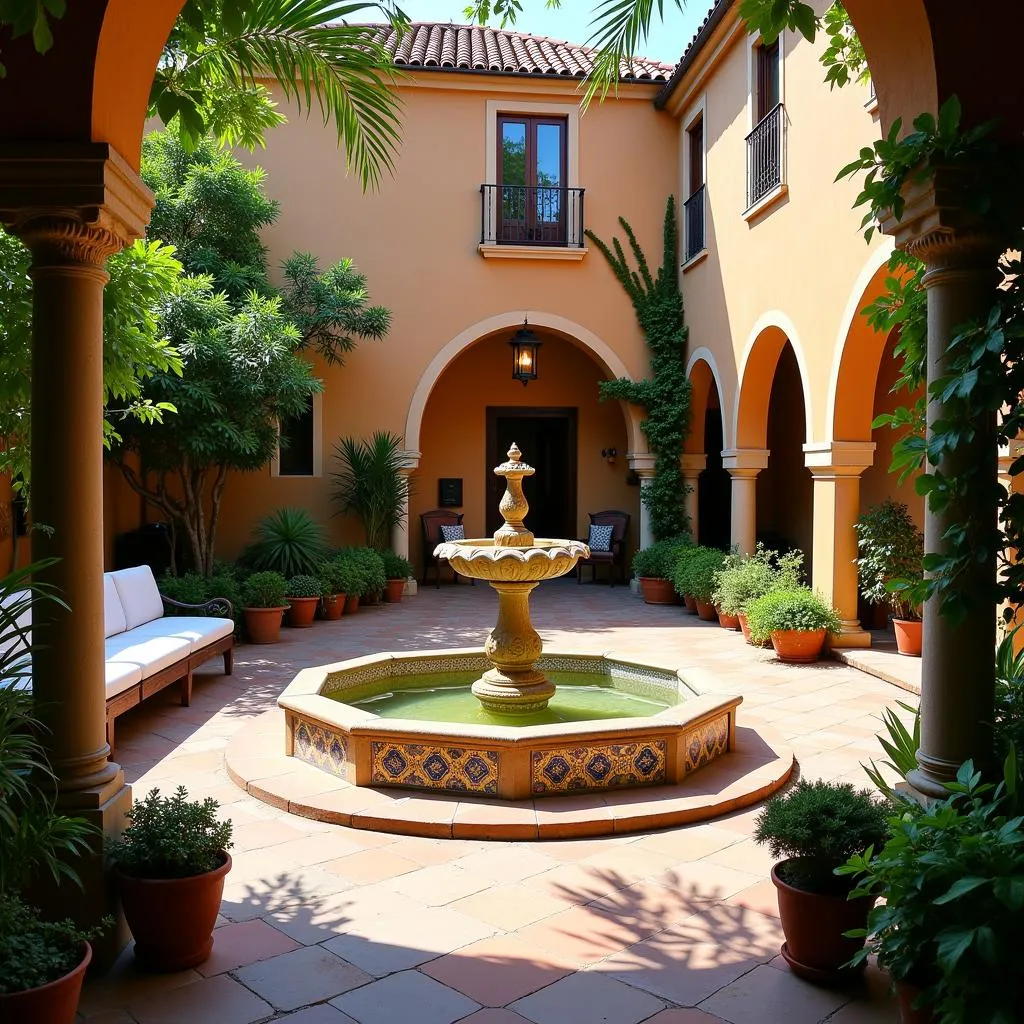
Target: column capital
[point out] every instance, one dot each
(838, 458)
(71, 203)
(409, 461)
(693, 464)
(745, 461)
(642, 463)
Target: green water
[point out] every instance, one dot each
(446, 697)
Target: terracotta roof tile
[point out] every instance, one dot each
(448, 47)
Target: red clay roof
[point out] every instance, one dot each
(444, 47)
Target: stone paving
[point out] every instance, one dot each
(322, 924)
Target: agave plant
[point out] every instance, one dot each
(901, 746)
(371, 485)
(289, 541)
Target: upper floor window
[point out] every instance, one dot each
(693, 208)
(299, 443)
(766, 141)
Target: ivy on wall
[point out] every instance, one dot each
(665, 395)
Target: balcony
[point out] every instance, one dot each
(533, 220)
(765, 156)
(693, 218)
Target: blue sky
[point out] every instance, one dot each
(572, 22)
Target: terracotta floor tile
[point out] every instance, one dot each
(315, 849)
(371, 866)
(301, 977)
(762, 897)
(237, 945)
(579, 999)
(575, 883)
(582, 935)
(255, 834)
(323, 1013)
(497, 970)
(766, 994)
(683, 1015)
(125, 983)
(439, 884)
(509, 907)
(705, 880)
(746, 856)
(220, 999)
(691, 843)
(409, 996)
(504, 864)
(493, 1015)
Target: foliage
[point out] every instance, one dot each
(696, 573)
(395, 566)
(1009, 704)
(891, 548)
(820, 825)
(31, 17)
(340, 575)
(305, 586)
(371, 485)
(367, 568)
(265, 590)
(171, 837)
(952, 875)
(797, 609)
(288, 541)
(210, 76)
(900, 743)
(665, 395)
(743, 578)
(658, 560)
(193, 588)
(844, 56)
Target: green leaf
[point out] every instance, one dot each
(959, 888)
(949, 117)
(952, 945)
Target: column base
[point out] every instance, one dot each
(929, 786)
(852, 636)
(411, 588)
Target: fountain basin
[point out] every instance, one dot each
(489, 759)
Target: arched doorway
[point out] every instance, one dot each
(708, 502)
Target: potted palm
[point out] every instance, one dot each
(263, 605)
(796, 621)
(817, 827)
(303, 596)
(696, 576)
(890, 550)
(170, 863)
(397, 571)
(654, 568)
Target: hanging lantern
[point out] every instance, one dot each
(524, 354)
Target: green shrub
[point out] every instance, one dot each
(658, 560)
(192, 588)
(265, 590)
(697, 571)
(341, 575)
(368, 569)
(288, 541)
(395, 566)
(799, 609)
(890, 548)
(746, 577)
(820, 825)
(305, 586)
(171, 837)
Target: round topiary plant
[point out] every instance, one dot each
(304, 586)
(265, 590)
(799, 609)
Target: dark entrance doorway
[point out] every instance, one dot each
(714, 488)
(547, 439)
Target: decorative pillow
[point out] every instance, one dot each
(453, 532)
(600, 538)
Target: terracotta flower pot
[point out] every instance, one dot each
(172, 919)
(691, 603)
(54, 1003)
(706, 610)
(351, 604)
(907, 993)
(302, 611)
(657, 591)
(263, 625)
(799, 645)
(815, 946)
(727, 621)
(908, 636)
(332, 607)
(394, 591)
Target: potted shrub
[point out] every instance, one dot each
(743, 578)
(951, 875)
(817, 827)
(796, 621)
(889, 572)
(170, 863)
(303, 596)
(332, 589)
(263, 605)
(397, 571)
(695, 575)
(654, 568)
(369, 568)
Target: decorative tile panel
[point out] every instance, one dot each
(322, 747)
(598, 766)
(434, 767)
(347, 678)
(403, 666)
(702, 745)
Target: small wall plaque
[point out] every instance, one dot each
(449, 492)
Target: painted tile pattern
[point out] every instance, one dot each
(603, 766)
(321, 747)
(434, 767)
(706, 743)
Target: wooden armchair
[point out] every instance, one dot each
(431, 523)
(615, 557)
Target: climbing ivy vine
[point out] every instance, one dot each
(665, 395)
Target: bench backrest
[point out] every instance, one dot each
(138, 596)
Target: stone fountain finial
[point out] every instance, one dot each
(513, 507)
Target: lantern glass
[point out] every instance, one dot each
(524, 355)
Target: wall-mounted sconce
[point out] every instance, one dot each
(609, 454)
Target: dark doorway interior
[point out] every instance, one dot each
(714, 488)
(547, 439)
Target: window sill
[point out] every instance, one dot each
(766, 201)
(532, 252)
(871, 105)
(696, 258)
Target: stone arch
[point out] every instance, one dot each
(757, 373)
(702, 372)
(595, 346)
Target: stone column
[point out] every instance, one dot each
(693, 464)
(642, 463)
(743, 465)
(73, 206)
(836, 468)
(400, 531)
(957, 687)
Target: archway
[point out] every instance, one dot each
(709, 496)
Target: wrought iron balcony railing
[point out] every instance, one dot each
(531, 215)
(765, 155)
(693, 216)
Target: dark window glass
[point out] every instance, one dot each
(767, 79)
(696, 133)
(296, 455)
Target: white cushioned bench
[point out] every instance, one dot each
(146, 650)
